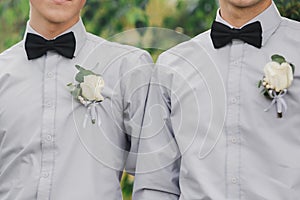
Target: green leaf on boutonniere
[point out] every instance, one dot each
(278, 58)
(71, 86)
(259, 84)
(76, 92)
(82, 73)
(265, 92)
(293, 67)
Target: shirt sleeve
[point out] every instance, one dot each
(135, 85)
(158, 162)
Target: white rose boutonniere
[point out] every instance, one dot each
(279, 75)
(92, 86)
(88, 91)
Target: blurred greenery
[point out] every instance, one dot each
(289, 8)
(107, 18)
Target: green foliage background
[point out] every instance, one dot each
(109, 17)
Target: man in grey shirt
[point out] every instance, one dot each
(49, 147)
(209, 131)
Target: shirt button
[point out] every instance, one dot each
(50, 74)
(45, 175)
(236, 63)
(234, 180)
(234, 100)
(49, 104)
(233, 140)
(49, 138)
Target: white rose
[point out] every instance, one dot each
(92, 87)
(279, 76)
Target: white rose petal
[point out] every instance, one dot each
(92, 87)
(279, 76)
(290, 76)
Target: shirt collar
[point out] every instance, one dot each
(78, 29)
(270, 20)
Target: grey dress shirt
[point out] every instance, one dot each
(45, 151)
(206, 134)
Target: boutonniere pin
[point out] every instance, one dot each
(279, 75)
(88, 91)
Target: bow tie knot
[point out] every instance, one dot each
(36, 46)
(50, 44)
(221, 34)
(235, 33)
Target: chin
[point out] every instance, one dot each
(246, 3)
(58, 17)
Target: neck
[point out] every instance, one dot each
(237, 16)
(50, 30)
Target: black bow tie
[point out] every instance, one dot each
(222, 34)
(36, 46)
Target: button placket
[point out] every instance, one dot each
(48, 126)
(232, 123)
